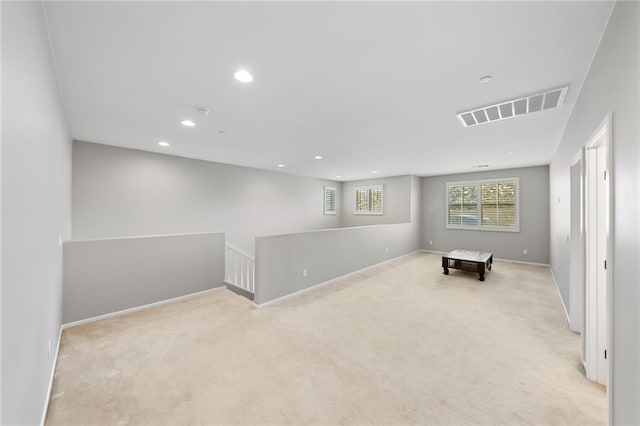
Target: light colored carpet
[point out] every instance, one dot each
(399, 344)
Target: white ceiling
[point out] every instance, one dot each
(369, 86)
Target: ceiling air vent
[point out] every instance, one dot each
(513, 108)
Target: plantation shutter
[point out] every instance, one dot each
(362, 199)
(376, 200)
(329, 200)
(463, 204)
(499, 204)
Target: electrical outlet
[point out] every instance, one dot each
(304, 272)
(49, 350)
(387, 249)
(430, 242)
(525, 251)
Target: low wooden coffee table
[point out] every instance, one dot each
(468, 260)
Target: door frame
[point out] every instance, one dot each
(576, 252)
(603, 136)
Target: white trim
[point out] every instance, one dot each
(135, 237)
(564, 307)
(137, 308)
(603, 134)
(495, 258)
(239, 250)
(433, 251)
(522, 262)
(315, 286)
(53, 373)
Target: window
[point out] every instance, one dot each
(329, 200)
(369, 200)
(490, 205)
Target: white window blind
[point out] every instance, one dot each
(329, 200)
(369, 199)
(484, 205)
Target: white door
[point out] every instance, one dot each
(596, 321)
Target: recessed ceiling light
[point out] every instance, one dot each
(318, 157)
(188, 123)
(338, 176)
(280, 165)
(486, 79)
(243, 76)
(163, 143)
(374, 171)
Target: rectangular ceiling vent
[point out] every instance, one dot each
(514, 108)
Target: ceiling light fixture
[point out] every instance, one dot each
(485, 79)
(243, 76)
(188, 123)
(318, 157)
(163, 143)
(280, 165)
(481, 166)
(374, 171)
(338, 176)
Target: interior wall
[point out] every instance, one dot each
(36, 190)
(396, 202)
(110, 275)
(612, 87)
(534, 217)
(125, 192)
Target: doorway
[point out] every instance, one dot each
(596, 250)
(576, 238)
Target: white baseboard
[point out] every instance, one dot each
(332, 280)
(137, 308)
(495, 258)
(564, 307)
(433, 251)
(53, 373)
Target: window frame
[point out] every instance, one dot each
(335, 199)
(480, 226)
(369, 211)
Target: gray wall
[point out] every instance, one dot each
(110, 275)
(396, 202)
(125, 192)
(611, 86)
(36, 183)
(326, 254)
(534, 217)
(331, 253)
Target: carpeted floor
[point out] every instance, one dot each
(399, 344)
